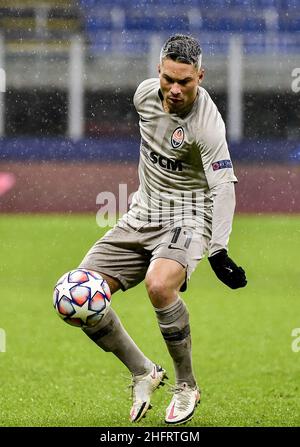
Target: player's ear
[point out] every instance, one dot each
(201, 75)
(158, 68)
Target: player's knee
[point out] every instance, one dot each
(155, 288)
(158, 291)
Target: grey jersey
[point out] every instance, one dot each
(181, 159)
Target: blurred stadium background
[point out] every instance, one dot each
(71, 70)
(68, 131)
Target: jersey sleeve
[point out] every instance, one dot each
(223, 211)
(214, 151)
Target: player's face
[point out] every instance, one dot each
(179, 85)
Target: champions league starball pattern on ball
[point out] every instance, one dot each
(81, 297)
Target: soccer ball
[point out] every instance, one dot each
(81, 297)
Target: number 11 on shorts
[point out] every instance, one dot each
(188, 237)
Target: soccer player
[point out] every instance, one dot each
(182, 210)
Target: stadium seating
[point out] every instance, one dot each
(102, 20)
(164, 16)
(32, 20)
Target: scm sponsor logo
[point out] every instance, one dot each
(166, 163)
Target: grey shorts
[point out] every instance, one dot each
(125, 252)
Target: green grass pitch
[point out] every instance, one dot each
(53, 375)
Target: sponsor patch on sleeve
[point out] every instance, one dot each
(222, 164)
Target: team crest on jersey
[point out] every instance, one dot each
(177, 137)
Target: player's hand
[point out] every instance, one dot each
(227, 271)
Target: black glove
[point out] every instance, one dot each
(227, 271)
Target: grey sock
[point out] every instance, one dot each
(110, 335)
(173, 321)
